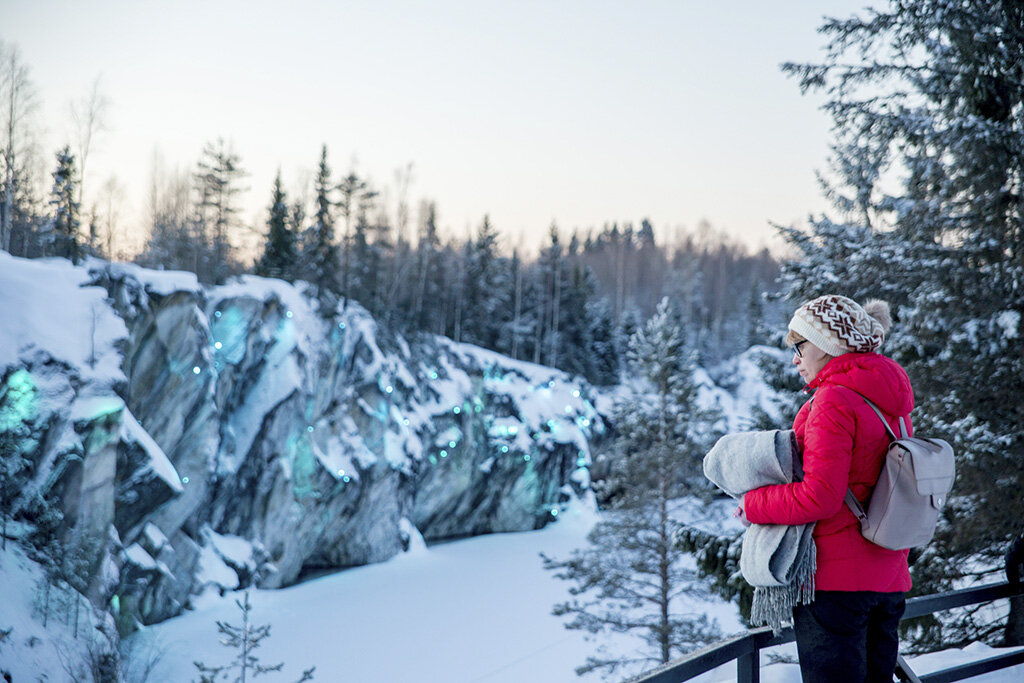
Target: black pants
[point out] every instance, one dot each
(848, 636)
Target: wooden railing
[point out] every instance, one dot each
(745, 649)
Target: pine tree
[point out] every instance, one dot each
(63, 236)
(631, 576)
(280, 255)
(927, 99)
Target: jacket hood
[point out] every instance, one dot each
(879, 378)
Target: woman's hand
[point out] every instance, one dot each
(741, 515)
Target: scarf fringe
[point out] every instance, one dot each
(774, 605)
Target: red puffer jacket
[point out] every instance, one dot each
(843, 444)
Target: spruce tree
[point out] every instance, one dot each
(321, 258)
(632, 575)
(63, 237)
(280, 255)
(487, 296)
(928, 103)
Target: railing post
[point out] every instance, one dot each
(1014, 633)
(748, 667)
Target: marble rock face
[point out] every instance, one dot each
(255, 437)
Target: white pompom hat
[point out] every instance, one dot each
(838, 325)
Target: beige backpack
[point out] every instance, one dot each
(912, 489)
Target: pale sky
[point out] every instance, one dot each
(581, 112)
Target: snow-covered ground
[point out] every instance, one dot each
(477, 610)
(471, 610)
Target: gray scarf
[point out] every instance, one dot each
(778, 561)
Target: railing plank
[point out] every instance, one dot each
(972, 669)
(744, 647)
(927, 604)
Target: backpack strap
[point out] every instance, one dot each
(856, 508)
(851, 500)
(892, 434)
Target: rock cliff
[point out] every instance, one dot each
(198, 439)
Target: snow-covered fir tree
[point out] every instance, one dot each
(928, 103)
(487, 291)
(632, 575)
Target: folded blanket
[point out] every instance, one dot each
(778, 561)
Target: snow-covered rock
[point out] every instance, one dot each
(181, 416)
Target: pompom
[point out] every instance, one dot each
(879, 310)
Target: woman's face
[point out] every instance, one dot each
(809, 360)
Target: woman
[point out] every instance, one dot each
(849, 632)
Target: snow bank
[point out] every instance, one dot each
(47, 308)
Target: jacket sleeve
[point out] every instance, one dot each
(828, 453)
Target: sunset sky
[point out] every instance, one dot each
(581, 112)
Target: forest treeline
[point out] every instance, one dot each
(572, 304)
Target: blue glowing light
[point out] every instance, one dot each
(405, 422)
(341, 326)
(288, 314)
(575, 393)
(581, 462)
(568, 409)
(444, 454)
(196, 370)
(457, 410)
(216, 314)
(389, 389)
(218, 346)
(451, 444)
(309, 429)
(513, 430)
(341, 473)
(504, 449)
(526, 458)
(433, 375)
(20, 401)
(554, 512)
(184, 480)
(346, 479)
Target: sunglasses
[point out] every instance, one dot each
(796, 348)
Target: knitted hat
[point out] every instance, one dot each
(838, 325)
